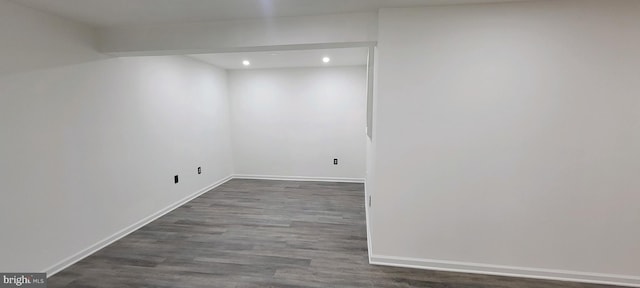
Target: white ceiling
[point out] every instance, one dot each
(102, 13)
(282, 59)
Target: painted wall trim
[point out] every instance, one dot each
(298, 178)
(128, 230)
(513, 271)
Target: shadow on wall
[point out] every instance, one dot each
(31, 40)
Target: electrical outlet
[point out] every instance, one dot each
(175, 179)
(335, 161)
(199, 170)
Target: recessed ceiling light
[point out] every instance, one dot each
(326, 59)
(246, 62)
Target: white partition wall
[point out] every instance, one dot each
(506, 139)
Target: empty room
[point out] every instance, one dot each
(308, 143)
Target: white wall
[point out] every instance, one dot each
(30, 39)
(90, 147)
(507, 134)
(294, 122)
(224, 36)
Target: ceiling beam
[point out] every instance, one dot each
(284, 33)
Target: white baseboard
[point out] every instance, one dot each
(453, 266)
(298, 178)
(128, 230)
(465, 267)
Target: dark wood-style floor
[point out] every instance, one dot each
(258, 233)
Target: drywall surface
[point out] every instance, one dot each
(30, 38)
(295, 121)
(89, 148)
(224, 36)
(507, 134)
